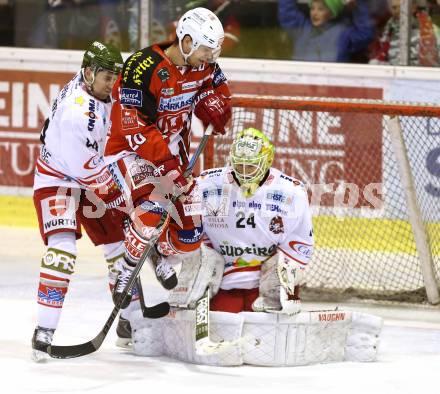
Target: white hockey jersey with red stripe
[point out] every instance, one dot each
(247, 231)
(74, 138)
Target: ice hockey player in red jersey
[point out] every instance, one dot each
(72, 185)
(161, 86)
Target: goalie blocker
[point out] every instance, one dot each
(258, 338)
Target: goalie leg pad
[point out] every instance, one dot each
(363, 338)
(147, 338)
(310, 338)
(268, 339)
(174, 336)
(281, 340)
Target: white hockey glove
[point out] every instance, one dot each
(279, 277)
(289, 305)
(290, 275)
(199, 270)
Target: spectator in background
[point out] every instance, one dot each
(434, 11)
(424, 41)
(69, 24)
(325, 35)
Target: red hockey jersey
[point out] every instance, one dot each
(154, 99)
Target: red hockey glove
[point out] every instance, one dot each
(105, 188)
(212, 107)
(173, 172)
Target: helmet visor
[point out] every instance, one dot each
(207, 54)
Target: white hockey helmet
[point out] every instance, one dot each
(204, 28)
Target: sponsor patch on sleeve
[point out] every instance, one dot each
(218, 78)
(129, 119)
(190, 236)
(131, 97)
(163, 74)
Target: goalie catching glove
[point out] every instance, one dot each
(212, 107)
(280, 277)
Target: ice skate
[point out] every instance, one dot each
(41, 339)
(165, 274)
(125, 271)
(123, 331)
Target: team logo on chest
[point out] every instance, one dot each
(167, 91)
(276, 225)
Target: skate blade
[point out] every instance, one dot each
(38, 356)
(124, 343)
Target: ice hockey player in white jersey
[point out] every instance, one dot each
(73, 187)
(259, 220)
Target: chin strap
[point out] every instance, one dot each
(186, 56)
(88, 83)
(215, 53)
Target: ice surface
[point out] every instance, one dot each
(409, 357)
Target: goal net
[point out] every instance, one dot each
(372, 170)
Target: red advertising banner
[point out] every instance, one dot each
(317, 147)
(326, 149)
(25, 99)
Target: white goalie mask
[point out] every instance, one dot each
(204, 28)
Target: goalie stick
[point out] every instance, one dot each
(204, 345)
(156, 311)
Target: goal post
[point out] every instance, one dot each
(372, 169)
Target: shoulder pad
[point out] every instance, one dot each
(139, 67)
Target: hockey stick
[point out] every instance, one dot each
(151, 312)
(71, 351)
(204, 345)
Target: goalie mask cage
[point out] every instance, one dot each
(372, 171)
